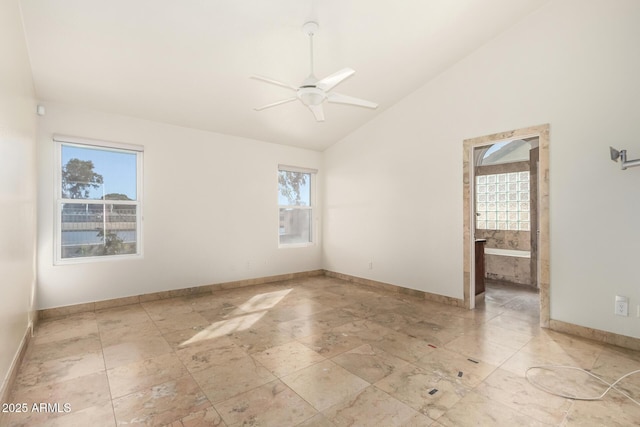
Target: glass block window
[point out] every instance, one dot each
(503, 201)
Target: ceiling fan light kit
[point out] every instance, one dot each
(313, 92)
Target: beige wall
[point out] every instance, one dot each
(17, 186)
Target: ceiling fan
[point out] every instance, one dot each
(313, 92)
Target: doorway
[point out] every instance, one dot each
(495, 162)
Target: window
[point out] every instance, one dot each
(98, 199)
(502, 201)
(295, 204)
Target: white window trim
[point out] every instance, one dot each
(312, 199)
(61, 140)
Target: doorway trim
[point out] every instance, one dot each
(542, 132)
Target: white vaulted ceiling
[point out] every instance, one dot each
(188, 62)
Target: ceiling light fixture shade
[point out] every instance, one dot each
(311, 95)
(313, 92)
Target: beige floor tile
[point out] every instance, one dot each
(143, 374)
(170, 361)
(369, 363)
(567, 381)
(160, 309)
(318, 420)
(286, 358)
(429, 332)
(516, 324)
(257, 339)
(208, 301)
(180, 321)
(118, 317)
(370, 407)
(403, 346)
(331, 343)
(391, 320)
(187, 338)
(517, 393)
(61, 369)
(161, 404)
(427, 392)
(334, 317)
(50, 350)
(220, 328)
(503, 336)
(299, 328)
(455, 366)
(272, 404)
(129, 333)
(607, 412)
(94, 416)
(477, 410)
(208, 417)
(133, 351)
(78, 394)
(564, 350)
(232, 377)
(367, 331)
(614, 363)
(324, 384)
(210, 353)
(419, 420)
(73, 326)
(221, 311)
(329, 299)
(477, 348)
(361, 309)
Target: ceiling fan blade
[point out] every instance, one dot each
(318, 112)
(334, 79)
(344, 99)
(284, 101)
(273, 82)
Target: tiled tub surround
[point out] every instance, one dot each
(315, 351)
(499, 265)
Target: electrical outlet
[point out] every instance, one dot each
(622, 306)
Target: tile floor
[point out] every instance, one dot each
(316, 352)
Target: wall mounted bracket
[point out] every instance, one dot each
(622, 155)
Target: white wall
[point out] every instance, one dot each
(393, 190)
(210, 210)
(17, 186)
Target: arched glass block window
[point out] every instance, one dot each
(503, 198)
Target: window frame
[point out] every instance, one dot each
(59, 201)
(312, 206)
